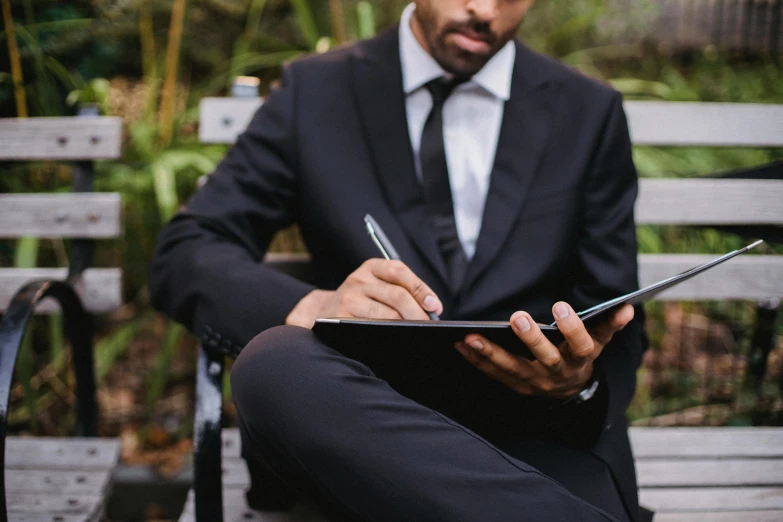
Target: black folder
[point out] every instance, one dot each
(373, 339)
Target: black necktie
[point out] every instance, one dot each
(435, 174)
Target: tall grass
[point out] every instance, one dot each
(169, 94)
(149, 64)
(16, 64)
(338, 21)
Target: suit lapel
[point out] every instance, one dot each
(381, 101)
(524, 133)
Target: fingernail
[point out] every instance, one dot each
(562, 310)
(430, 303)
(461, 349)
(523, 325)
(477, 345)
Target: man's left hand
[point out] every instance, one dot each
(557, 371)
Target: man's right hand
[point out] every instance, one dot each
(379, 289)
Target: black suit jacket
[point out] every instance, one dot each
(332, 144)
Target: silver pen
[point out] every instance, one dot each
(385, 246)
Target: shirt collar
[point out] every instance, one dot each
(418, 67)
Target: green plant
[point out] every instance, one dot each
(94, 92)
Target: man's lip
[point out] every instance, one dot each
(473, 35)
(471, 42)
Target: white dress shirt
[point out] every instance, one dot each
(471, 124)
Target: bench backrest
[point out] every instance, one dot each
(79, 215)
(690, 201)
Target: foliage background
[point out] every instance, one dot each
(127, 56)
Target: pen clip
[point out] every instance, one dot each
(379, 238)
(375, 240)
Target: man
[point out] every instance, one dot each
(505, 181)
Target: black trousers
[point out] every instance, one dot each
(337, 434)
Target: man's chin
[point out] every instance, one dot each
(463, 64)
(458, 60)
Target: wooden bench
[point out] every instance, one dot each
(53, 479)
(684, 474)
(710, 474)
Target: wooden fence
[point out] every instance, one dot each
(754, 26)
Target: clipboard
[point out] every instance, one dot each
(353, 336)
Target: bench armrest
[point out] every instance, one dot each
(207, 429)
(78, 329)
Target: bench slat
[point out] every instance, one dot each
(232, 443)
(724, 472)
(89, 507)
(50, 453)
(68, 138)
(87, 215)
(235, 474)
(284, 258)
(99, 288)
(221, 120)
(711, 499)
(650, 122)
(64, 480)
(732, 516)
(695, 459)
(719, 443)
(709, 124)
(235, 510)
(48, 517)
(704, 500)
(76, 482)
(709, 201)
(653, 443)
(651, 474)
(745, 277)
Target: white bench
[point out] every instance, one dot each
(53, 479)
(684, 474)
